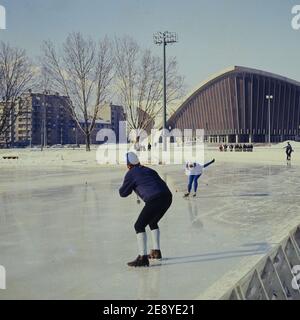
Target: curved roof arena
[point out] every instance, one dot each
(234, 102)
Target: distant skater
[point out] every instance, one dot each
(288, 150)
(194, 171)
(149, 186)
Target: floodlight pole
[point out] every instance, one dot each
(165, 38)
(269, 98)
(165, 89)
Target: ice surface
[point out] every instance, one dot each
(66, 234)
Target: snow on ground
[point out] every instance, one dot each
(274, 155)
(66, 234)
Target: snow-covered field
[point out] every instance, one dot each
(274, 155)
(65, 232)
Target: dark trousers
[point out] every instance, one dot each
(152, 212)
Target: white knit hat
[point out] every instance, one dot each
(132, 158)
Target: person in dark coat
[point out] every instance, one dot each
(288, 150)
(149, 186)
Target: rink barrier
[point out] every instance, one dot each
(272, 278)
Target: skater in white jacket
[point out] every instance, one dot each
(194, 171)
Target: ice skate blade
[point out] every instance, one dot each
(138, 267)
(156, 262)
(153, 260)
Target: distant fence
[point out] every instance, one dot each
(276, 276)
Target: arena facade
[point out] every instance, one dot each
(232, 107)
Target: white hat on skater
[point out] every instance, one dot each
(132, 158)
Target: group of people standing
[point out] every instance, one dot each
(236, 147)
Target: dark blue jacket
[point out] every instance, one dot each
(145, 182)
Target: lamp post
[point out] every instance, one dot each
(75, 134)
(46, 126)
(44, 123)
(269, 98)
(165, 38)
(43, 127)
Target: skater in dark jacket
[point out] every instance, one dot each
(148, 185)
(288, 151)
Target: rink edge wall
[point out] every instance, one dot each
(272, 277)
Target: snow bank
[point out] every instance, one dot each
(266, 155)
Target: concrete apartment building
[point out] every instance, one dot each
(113, 114)
(4, 137)
(45, 120)
(110, 116)
(8, 120)
(80, 136)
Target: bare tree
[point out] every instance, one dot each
(82, 71)
(139, 82)
(16, 75)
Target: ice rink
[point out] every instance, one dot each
(66, 234)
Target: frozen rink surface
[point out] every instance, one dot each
(66, 234)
